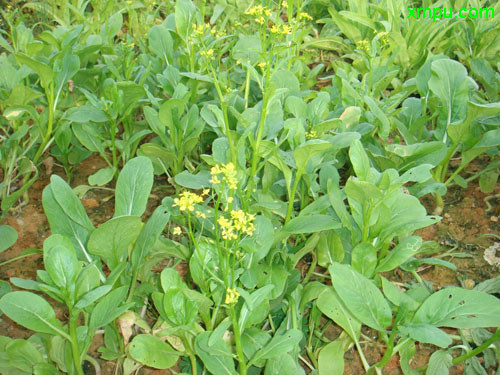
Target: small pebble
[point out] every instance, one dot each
(494, 219)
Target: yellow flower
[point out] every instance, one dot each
(286, 29)
(311, 134)
(230, 200)
(231, 296)
(228, 172)
(260, 20)
(205, 192)
(384, 37)
(243, 221)
(187, 201)
(227, 232)
(214, 180)
(255, 10)
(275, 29)
(262, 64)
(177, 231)
(200, 215)
(363, 45)
(208, 54)
(284, 4)
(198, 30)
(304, 16)
(267, 12)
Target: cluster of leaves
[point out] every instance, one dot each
(269, 171)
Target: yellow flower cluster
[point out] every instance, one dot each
(243, 221)
(240, 221)
(231, 296)
(383, 37)
(218, 33)
(228, 173)
(227, 229)
(311, 134)
(258, 10)
(304, 16)
(281, 29)
(200, 214)
(200, 29)
(363, 45)
(177, 231)
(187, 201)
(209, 54)
(284, 4)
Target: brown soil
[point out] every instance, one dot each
(461, 232)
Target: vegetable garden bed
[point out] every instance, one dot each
(211, 187)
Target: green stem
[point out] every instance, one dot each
(237, 340)
(74, 344)
(260, 131)
(50, 123)
(291, 198)
(470, 353)
(247, 88)
(479, 349)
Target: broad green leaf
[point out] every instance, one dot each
(459, 308)
(311, 224)
(66, 214)
(364, 258)
(88, 136)
(448, 82)
(400, 254)
(304, 152)
(90, 297)
(397, 296)
(331, 358)
(101, 177)
(133, 187)
(112, 239)
(332, 306)
(247, 49)
(161, 42)
(44, 369)
(359, 160)
(427, 333)
(44, 71)
(32, 312)
(218, 357)
(362, 297)
(184, 17)
(279, 344)
(148, 236)
(406, 353)
(179, 309)
(284, 364)
(153, 352)
(439, 363)
(385, 127)
(8, 237)
(59, 258)
(22, 355)
(85, 113)
(170, 279)
(489, 140)
(193, 181)
(131, 92)
(109, 308)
